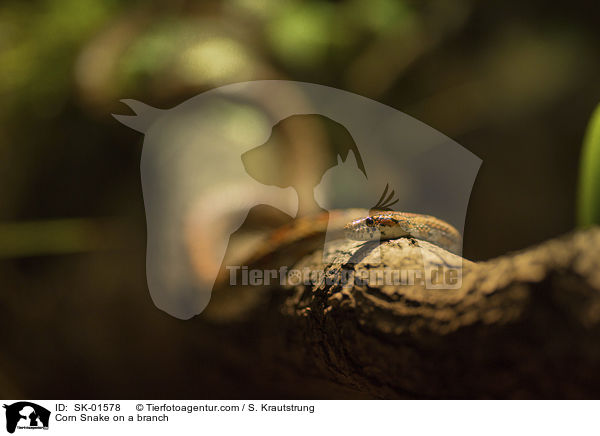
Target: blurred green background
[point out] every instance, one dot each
(513, 82)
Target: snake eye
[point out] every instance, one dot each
(370, 221)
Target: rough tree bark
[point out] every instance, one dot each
(524, 325)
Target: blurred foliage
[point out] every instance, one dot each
(459, 66)
(38, 41)
(589, 180)
(34, 238)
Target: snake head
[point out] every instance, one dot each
(363, 229)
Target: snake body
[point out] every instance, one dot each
(392, 225)
(304, 235)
